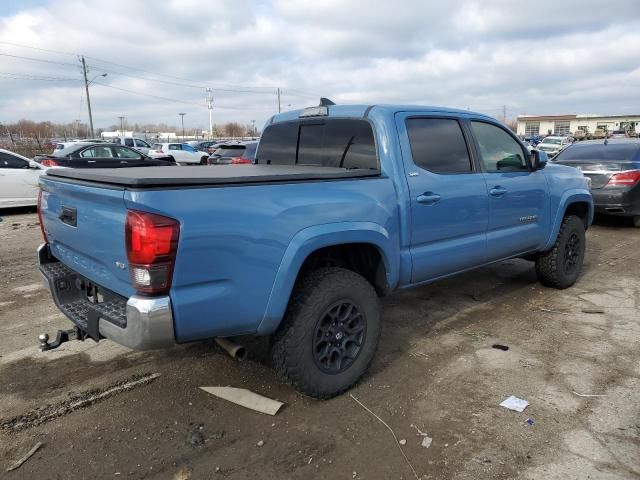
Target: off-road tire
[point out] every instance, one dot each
(204, 161)
(293, 344)
(550, 266)
(636, 221)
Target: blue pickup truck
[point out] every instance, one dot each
(343, 205)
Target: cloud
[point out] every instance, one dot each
(532, 58)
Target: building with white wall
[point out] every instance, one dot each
(569, 124)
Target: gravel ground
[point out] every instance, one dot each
(436, 372)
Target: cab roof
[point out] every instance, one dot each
(363, 111)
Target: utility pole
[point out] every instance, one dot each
(122, 117)
(182, 114)
(279, 109)
(504, 114)
(253, 122)
(86, 87)
(77, 125)
(210, 107)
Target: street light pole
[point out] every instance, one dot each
(182, 114)
(86, 87)
(210, 107)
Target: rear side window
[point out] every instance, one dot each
(341, 143)
(128, 142)
(437, 145)
(175, 146)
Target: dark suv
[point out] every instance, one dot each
(234, 154)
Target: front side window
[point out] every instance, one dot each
(142, 144)
(438, 145)
(500, 152)
(128, 142)
(121, 152)
(97, 152)
(175, 146)
(9, 161)
(188, 148)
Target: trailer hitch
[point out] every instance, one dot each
(62, 336)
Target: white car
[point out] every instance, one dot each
(181, 153)
(554, 145)
(135, 143)
(18, 180)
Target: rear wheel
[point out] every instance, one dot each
(561, 266)
(329, 334)
(204, 161)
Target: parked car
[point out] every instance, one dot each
(533, 140)
(65, 144)
(614, 169)
(135, 143)
(181, 153)
(618, 134)
(234, 154)
(344, 205)
(18, 180)
(554, 144)
(98, 155)
(207, 147)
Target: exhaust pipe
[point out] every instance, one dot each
(236, 351)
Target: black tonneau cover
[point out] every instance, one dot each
(139, 177)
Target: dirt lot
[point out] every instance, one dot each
(436, 371)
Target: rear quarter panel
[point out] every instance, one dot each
(233, 241)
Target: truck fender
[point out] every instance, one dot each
(310, 239)
(569, 197)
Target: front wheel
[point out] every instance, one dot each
(561, 266)
(204, 161)
(329, 334)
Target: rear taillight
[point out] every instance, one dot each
(44, 233)
(239, 160)
(48, 162)
(152, 242)
(624, 179)
(159, 151)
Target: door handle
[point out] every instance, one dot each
(497, 191)
(428, 198)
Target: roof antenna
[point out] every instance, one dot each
(325, 102)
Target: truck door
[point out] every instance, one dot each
(518, 196)
(449, 204)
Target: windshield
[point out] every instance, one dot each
(552, 141)
(600, 152)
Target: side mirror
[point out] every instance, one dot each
(538, 159)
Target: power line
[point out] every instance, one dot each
(37, 59)
(27, 76)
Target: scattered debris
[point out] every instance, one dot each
(548, 310)
(497, 346)
(415, 474)
(514, 403)
(246, 398)
(260, 443)
(530, 421)
(41, 415)
(402, 441)
(196, 438)
(183, 474)
(418, 354)
(588, 395)
(426, 439)
(592, 310)
(26, 457)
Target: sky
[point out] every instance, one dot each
(543, 57)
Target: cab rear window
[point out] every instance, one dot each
(333, 142)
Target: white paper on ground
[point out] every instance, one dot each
(246, 398)
(514, 403)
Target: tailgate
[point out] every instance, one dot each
(85, 229)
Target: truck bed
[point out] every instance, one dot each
(149, 177)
